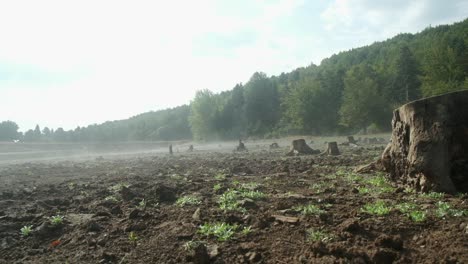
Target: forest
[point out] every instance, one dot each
(353, 91)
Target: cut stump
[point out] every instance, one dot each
(333, 149)
(300, 147)
(429, 143)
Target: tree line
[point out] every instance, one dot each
(352, 91)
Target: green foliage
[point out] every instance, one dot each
(432, 195)
(132, 237)
(309, 209)
(378, 208)
(56, 220)
(445, 209)
(192, 244)
(8, 131)
(229, 201)
(222, 231)
(246, 230)
(26, 230)
(217, 187)
(314, 235)
(187, 200)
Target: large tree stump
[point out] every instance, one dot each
(299, 147)
(428, 150)
(333, 149)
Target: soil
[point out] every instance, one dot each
(100, 200)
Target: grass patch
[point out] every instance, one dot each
(26, 230)
(313, 235)
(432, 195)
(187, 200)
(445, 209)
(222, 231)
(378, 208)
(309, 209)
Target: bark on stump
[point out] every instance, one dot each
(299, 147)
(333, 149)
(429, 143)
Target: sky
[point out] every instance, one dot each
(70, 63)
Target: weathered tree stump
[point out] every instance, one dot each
(170, 149)
(428, 150)
(274, 145)
(333, 149)
(241, 146)
(190, 149)
(299, 147)
(351, 140)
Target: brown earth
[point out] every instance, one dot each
(100, 201)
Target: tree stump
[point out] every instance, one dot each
(333, 149)
(241, 146)
(190, 149)
(299, 147)
(351, 140)
(274, 145)
(429, 143)
(170, 149)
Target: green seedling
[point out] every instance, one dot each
(309, 209)
(222, 231)
(56, 220)
(142, 204)
(217, 187)
(318, 235)
(132, 237)
(445, 209)
(406, 207)
(363, 190)
(417, 216)
(229, 201)
(111, 198)
(71, 186)
(192, 244)
(246, 230)
(254, 195)
(378, 181)
(377, 208)
(220, 176)
(26, 230)
(187, 200)
(250, 186)
(118, 187)
(432, 195)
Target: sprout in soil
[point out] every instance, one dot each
(56, 220)
(26, 230)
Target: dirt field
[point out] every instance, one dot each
(216, 206)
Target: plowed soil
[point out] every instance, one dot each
(125, 210)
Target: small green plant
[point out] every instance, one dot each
(377, 208)
(363, 190)
(318, 235)
(406, 207)
(26, 230)
(56, 220)
(432, 195)
(111, 198)
(378, 181)
(222, 231)
(445, 209)
(192, 244)
(417, 216)
(229, 201)
(142, 204)
(317, 187)
(250, 186)
(187, 200)
(118, 187)
(254, 195)
(217, 187)
(132, 237)
(220, 176)
(71, 186)
(246, 230)
(309, 209)
(354, 178)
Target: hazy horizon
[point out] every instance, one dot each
(74, 64)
